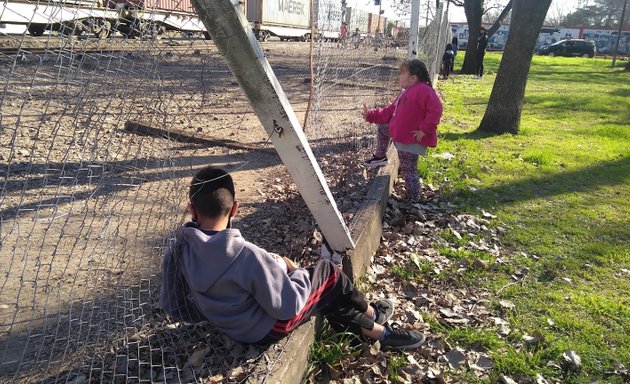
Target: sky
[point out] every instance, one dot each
(456, 13)
(565, 6)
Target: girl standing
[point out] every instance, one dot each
(410, 121)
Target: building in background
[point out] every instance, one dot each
(604, 38)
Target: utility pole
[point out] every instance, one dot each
(378, 20)
(412, 50)
(623, 15)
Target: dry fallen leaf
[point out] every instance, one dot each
(483, 362)
(434, 377)
(540, 379)
(81, 379)
(487, 215)
(530, 339)
(218, 378)
(572, 360)
(449, 313)
(504, 330)
(506, 380)
(455, 358)
(196, 359)
(375, 348)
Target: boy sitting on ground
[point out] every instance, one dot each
(211, 272)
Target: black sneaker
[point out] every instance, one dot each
(374, 161)
(402, 339)
(384, 310)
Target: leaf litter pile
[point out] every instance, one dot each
(427, 264)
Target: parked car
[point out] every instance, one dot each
(572, 47)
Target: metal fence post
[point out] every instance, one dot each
(235, 39)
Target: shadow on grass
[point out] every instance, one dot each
(623, 92)
(579, 77)
(606, 173)
(559, 103)
(471, 135)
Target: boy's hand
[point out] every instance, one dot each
(291, 266)
(418, 135)
(364, 113)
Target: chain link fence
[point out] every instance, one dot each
(99, 139)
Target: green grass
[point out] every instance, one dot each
(395, 363)
(562, 188)
(416, 268)
(329, 352)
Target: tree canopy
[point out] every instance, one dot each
(602, 13)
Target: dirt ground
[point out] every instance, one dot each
(89, 196)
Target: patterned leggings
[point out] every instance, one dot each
(408, 163)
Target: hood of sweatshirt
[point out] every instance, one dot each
(213, 254)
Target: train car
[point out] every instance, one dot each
(286, 19)
(400, 36)
(328, 14)
(357, 19)
(135, 20)
(376, 24)
(184, 6)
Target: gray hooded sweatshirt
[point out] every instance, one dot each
(237, 286)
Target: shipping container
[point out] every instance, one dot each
(357, 18)
(328, 14)
(184, 6)
(170, 5)
(287, 13)
(376, 23)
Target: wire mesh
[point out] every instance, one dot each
(102, 125)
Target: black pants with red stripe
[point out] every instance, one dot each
(334, 296)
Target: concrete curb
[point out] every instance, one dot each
(367, 225)
(366, 229)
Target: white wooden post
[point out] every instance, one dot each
(412, 49)
(235, 39)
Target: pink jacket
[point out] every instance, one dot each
(416, 108)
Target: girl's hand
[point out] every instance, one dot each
(418, 135)
(364, 113)
(291, 266)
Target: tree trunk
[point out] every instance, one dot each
(474, 13)
(473, 10)
(503, 113)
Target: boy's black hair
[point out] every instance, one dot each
(212, 192)
(449, 46)
(417, 68)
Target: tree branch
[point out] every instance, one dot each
(489, 9)
(459, 3)
(497, 24)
